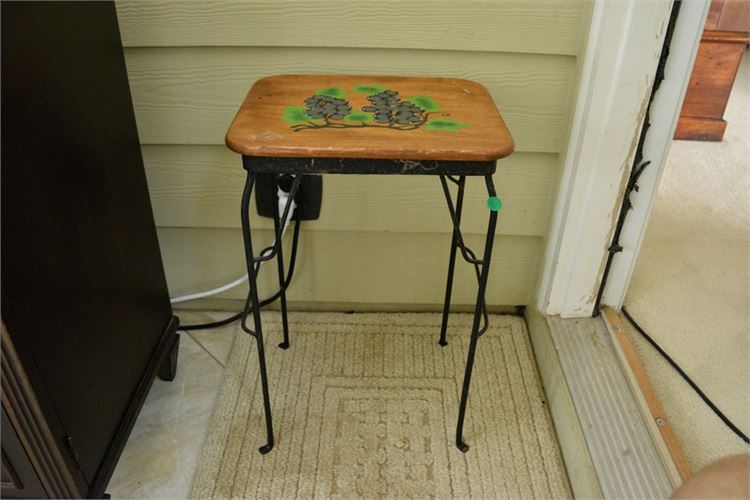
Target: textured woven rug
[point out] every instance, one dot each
(365, 405)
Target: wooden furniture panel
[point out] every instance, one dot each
(712, 79)
(734, 16)
(700, 129)
(724, 41)
(35, 461)
(728, 15)
(542, 27)
(714, 12)
(19, 479)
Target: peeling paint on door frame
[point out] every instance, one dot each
(619, 66)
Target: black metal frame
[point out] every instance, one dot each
(481, 266)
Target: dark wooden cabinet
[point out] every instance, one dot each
(19, 480)
(87, 322)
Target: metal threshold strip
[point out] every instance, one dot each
(609, 440)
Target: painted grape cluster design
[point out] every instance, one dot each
(328, 108)
(389, 108)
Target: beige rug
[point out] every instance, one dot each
(365, 405)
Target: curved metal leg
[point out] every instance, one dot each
(452, 261)
(252, 299)
(478, 312)
(277, 224)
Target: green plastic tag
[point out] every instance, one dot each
(494, 203)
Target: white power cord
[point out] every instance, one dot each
(283, 197)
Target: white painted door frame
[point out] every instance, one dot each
(617, 74)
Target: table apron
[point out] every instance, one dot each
(291, 165)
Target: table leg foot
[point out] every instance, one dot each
(265, 449)
(462, 447)
(284, 345)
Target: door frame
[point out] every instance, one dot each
(618, 70)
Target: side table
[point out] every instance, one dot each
(343, 124)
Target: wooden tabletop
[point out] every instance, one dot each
(342, 116)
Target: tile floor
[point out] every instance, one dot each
(162, 453)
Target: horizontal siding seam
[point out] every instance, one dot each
(571, 56)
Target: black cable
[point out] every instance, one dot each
(687, 379)
(265, 302)
(215, 324)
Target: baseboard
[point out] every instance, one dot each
(691, 128)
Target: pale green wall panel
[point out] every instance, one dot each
(200, 186)
(190, 95)
(352, 267)
(540, 26)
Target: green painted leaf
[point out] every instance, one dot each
(369, 89)
(359, 116)
(295, 115)
(424, 102)
(448, 125)
(331, 92)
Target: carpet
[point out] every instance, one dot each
(365, 405)
(691, 286)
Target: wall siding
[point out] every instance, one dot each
(380, 239)
(539, 27)
(199, 186)
(351, 267)
(190, 95)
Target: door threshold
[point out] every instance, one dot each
(605, 412)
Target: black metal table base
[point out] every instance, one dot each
(481, 267)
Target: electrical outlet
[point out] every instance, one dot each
(308, 197)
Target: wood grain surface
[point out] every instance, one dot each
(724, 40)
(709, 88)
(714, 13)
(733, 15)
(711, 82)
(696, 128)
(457, 120)
(657, 420)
